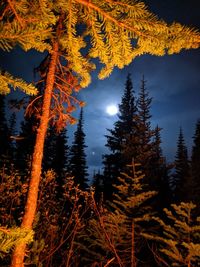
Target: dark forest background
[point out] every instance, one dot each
(139, 211)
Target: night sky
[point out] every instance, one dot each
(172, 81)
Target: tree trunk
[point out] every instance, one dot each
(31, 203)
(133, 262)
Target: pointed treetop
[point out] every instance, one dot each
(77, 163)
(157, 142)
(127, 105)
(196, 136)
(196, 147)
(144, 102)
(181, 147)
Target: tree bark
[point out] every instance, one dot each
(31, 203)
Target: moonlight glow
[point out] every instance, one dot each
(112, 110)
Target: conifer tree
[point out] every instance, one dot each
(49, 148)
(182, 170)
(25, 145)
(12, 134)
(52, 26)
(195, 165)
(159, 173)
(179, 243)
(60, 162)
(56, 156)
(144, 136)
(9, 237)
(114, 234)
(118, 141)
(4, 134)
(144, 133)
(149, 141)
(97, 183)
(56, 151)
(78, 165)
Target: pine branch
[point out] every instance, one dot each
(7, 81)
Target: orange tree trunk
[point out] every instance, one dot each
(31, 203)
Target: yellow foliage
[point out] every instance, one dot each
(115, 32)
(180, 242)
(7, 81)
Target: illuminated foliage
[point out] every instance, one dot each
(114, 233)
(9, 237)
(7, 81)
(113, 28)
(180, 241)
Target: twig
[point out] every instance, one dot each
(31, 104)
(108, 263)
(4, 12)
(14, 11)
(115, 21)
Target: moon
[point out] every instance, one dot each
(112, 110)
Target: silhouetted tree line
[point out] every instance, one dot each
(117, 222)
(133, 137)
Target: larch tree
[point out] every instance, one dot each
(77, 163)
(52, 26)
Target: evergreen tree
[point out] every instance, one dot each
(56, 156)
(159, 173)
(195, 164)
(49, 148)
(143, 144)
(182, 172)
(77, 162)
(4, 134)
(12, 134)
(25, 145)
(144, 132)
(119, 139)
(97, 183)
(179, 240)
(114, 233)
(56, 151)
(9, 237)
(12, 125)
